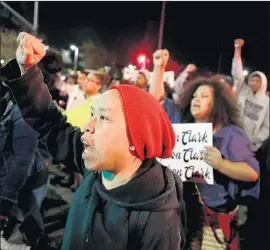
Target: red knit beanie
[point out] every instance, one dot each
(149, 129)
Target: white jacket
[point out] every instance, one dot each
(254, 108)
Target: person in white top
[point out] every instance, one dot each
(76, 92)
(181, 80)
(252, 99)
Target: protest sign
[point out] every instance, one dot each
(186, 158)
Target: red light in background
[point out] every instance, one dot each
(141, 58)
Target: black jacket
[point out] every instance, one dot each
(100, 219)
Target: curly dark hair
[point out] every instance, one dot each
(225, 109)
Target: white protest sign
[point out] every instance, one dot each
(186, 158)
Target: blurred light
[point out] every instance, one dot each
(245, 72)
(47, 47)
(2, 61)
(141, 58)
(107, 68)
(132, 67)
(63, 78)
(73, 47)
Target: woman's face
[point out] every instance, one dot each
(202, 103)
(141, 80)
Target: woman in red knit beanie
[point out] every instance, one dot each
(127, 200)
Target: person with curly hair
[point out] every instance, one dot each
(212, 210)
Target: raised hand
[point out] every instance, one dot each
(191, 68)
(239, 43)
(160, 58)
(30, 50)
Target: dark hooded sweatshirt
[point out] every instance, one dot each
(142, 214)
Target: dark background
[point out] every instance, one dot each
(195, 32)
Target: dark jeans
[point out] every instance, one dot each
(30, 204)
(28, 215)
(258, 218)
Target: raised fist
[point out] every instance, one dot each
(30, 50)
(191, 68)
(160, 58)
(239, 43)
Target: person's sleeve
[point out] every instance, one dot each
(239, 150)
(179, 83)
(39, 111)
(25, 143)
(238, 76)
(263, 134)
(167, 239)
(172, 110)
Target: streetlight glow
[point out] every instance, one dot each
(73, 47)
(245, 72)
(141, 58)
(131, 66)
(76, 55)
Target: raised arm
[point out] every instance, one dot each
(160, 59)
(37, 107)
(237, 66)
(180, 80)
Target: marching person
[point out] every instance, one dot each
(127, 200)
(212, 210)
(252, 99)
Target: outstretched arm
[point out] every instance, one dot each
(37, 107)
(156, 89)
(181, 79)
(237, 66)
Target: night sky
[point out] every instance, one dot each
(194, 31)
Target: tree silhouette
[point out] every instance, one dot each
(93, 56)
(93, 53)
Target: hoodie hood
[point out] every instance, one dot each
(154, 188)
(263, 87)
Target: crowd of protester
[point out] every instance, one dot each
(107, 132)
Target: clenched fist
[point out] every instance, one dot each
(30, 50)
(160, 58)
(239, 43)
(191, 68)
